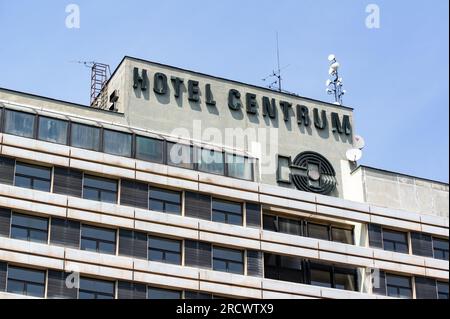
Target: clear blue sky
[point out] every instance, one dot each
(397, 77)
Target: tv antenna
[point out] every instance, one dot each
(276, 75)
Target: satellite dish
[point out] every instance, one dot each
(358, 142)
(354, 155)
(331, 57)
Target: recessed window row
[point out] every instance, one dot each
(393, 285)
(398, 241)
(125, 144)
(54, 284)
(308, 228)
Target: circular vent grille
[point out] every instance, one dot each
(315, 173)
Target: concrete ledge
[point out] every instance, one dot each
(342, 203)
(100, 219)
(32, 195)
(232, 194)
(434, 230)
(291, 240)
(165, 269)
(31, 260)
(398, 214)
(36, 145)
(229, 290)
(341, 213)
(23, 154)
(228, 278)
(165, 281)
(291, 288)
(224, 240)
(167, 219)
(100, 207)
(289, 250)
(98, 271)
(27, 206)
(164, 230)
(232, 230)
(7, 295)
(395, 223)
(99, 259)
(94, 168)
(287, 193)
(22, 246)
(228, 182)
(102, 158)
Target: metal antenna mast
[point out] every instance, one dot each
(276, 75)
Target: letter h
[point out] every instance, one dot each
(141, 80)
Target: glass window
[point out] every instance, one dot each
(342, 235)
(18, 123)
(211, 161)
(395, 241)
(290, 226)
(398, 286)
(321, 276)
(33, 177)
(226, 212)
(52, 130)
(84, 136)
(159, 293)
(442, 288)
(165, 201)
(164, 250)
(318, 231)
(100, 240)
(99, 189)
(180, 155)
(149, 149)
(283, 268)
(117, 143)
(96, 289)
(239, 167)
(228, 260)
(344, 279)
(26, 282)
(440, 248)
(270, 222)
(29, 228)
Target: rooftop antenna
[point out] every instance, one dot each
(276, 75)
(334, 85)
(100, 74)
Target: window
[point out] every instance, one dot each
(180, 155)
(96, 289)
(33, 177)
(318, 231)
(159, 293)
(440, 248)
(100, 189)
(332, 277)
(344, 279)
(164, 250)
(239, 167)
(398, 286)
(395, 241)
(283, 268)
(26, 282)
(211, 161)
(282, 225)
(320, 275)
(165, 201)
(84, 136)
(228, 260)
(52, 130)
(18, 123)
(442, 288)
(149, 149)
(342, 235)
(100, 240)
(117, 143)
(226, 212)
(29, 228)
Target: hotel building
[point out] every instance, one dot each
(176, 184)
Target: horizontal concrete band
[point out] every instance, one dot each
(173, 177)
(162, 275)
(117, 216)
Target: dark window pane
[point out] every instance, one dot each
(99, 189)
(320, 276)
(164, 244)
(211, 161)
(442, 290)
(24, 182)
(29, 228)
(395, 241)
(440, 248)
(289, 226)
(239, 167)
(228, 254)
(164, 250)
(96, 289)
(96, 239)
(17, 123)
(228, 260)
(270, 223)
(33, 177)
(84, 136)
(398, 286)
(26, 281)
(158, 293)
(165, 201)
(227, 212)
(117, 143)
(179, 155)
(30, 221)
(149, 149)
(52, 130)
(345, 280)
(318, 231)
(342, 235)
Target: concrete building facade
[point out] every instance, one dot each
(178, 184)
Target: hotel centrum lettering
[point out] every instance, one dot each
(243, 101)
